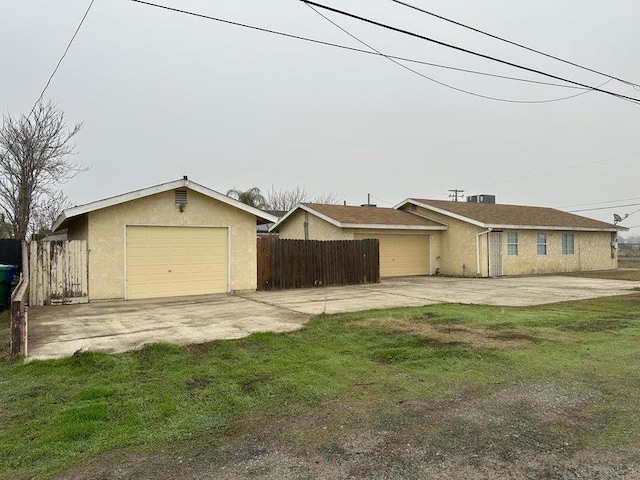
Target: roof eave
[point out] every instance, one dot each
(550, 227)
(378, 226)
(441, 211)
(164, 187)
(280, 221)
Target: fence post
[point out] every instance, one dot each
(19, 318)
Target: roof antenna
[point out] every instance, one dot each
(617, 218)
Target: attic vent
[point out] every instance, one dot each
(181, 196)
(413, 208)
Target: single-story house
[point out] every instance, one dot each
(464, 238)
(405, 238)
(177, 238)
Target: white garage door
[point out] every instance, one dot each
(402, 255)
(176, 261)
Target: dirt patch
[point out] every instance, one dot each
(454, 334)
(514, 432)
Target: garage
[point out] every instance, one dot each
(176, 261)
(174, 239)
(401, 254)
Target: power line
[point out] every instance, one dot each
(635, 211)
(560, 170)
(607, 208)
(488, 97)
(66, 50)
(381, 200)
(465, 50)
(353, 49)
(599, 203)
(477, 30)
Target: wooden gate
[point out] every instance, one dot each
(286, 264)
(58, 273)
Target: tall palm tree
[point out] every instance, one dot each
(252, 197)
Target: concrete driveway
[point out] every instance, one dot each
(418, 291)
(60, 331)
(120, 326)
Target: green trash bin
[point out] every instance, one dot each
(6, 274)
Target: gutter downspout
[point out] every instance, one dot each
(478, 249)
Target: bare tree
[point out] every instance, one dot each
(34, 151)
(46, 211)
(286, 199)
(329, 198)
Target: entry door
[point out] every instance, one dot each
(495, 254)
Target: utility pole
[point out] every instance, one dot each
(455, 193)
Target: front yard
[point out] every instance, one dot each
(444, 391)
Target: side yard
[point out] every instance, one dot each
(442, 391)
(629, 269)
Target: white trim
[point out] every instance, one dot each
(229, 259)
(478, 250)
(500, 225)
(124, 247)
(391, 227)
(164, 187)
(430, 257)
(336, 223)
(440, 211)
(227, 227)
(547, 227)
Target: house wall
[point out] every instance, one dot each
(592, 251)
(106, 242)
(454, 249)
(457, 246)
(293, 228)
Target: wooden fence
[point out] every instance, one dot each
(58, 273)
(19, 322)
(284, 264)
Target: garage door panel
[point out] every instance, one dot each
(174, 261)
(402, 255)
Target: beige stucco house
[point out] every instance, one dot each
(406, 240)
(178, 238)
(489, 239)
(464, 238)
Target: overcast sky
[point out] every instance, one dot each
(163, 94)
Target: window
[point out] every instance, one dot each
(542, 244)
(567, 244)
(512, 243)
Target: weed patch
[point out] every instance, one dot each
(563, 371)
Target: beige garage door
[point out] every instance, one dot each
(402, 254)
(176, 261)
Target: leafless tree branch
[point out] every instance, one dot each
(286, 199)
(34, 161)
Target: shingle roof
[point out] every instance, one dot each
(365, 217)
(492, 214)
(370, 215)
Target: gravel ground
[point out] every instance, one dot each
(515, 431)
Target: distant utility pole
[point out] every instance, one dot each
(455, 193)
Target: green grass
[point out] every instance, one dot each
(56, 413)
